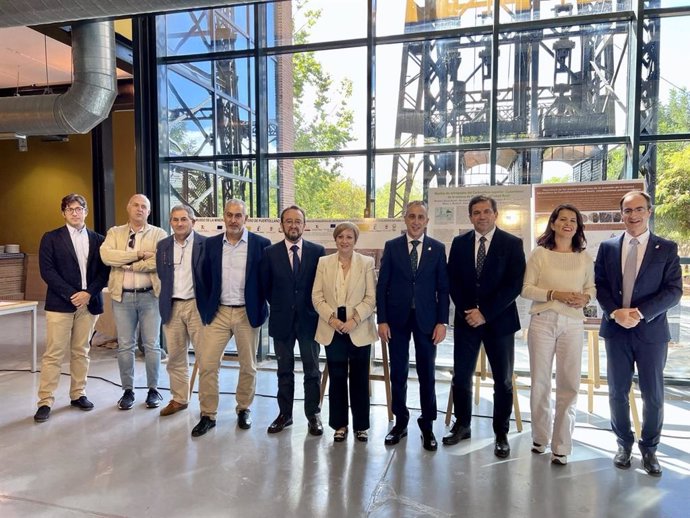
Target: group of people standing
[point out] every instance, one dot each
(208, 290)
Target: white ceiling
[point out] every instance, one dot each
(23, 59)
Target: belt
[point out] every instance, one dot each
(137, 290)
(233, 305)
(176, 299)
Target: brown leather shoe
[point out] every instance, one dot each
(173, 407)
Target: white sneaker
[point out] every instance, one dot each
(561, 460)
(538, 448)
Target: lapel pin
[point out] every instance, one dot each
(657, 247)
(429, 249)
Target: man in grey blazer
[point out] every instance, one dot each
(178, 263)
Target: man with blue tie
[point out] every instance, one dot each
(72, 268)
(288, 270)
(486, 267)
(234, 305)
(638, 279)
(412, 300)
(178, 263)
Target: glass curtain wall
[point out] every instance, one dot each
(351, 108)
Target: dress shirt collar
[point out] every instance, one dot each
(642, 239)
(245, 238)
(75, 231)
(188, 241)
(289, 244)
(489, 235)
(410, 239)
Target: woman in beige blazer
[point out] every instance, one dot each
(344, 296)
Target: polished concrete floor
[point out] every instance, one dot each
(135, 464)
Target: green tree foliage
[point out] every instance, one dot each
(673, 172)
(323, 122)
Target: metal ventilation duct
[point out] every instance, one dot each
(20, 13)
(85, 104)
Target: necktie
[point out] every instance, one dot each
(629, 273)
(414, 257)
(481, 255)
(295, 259)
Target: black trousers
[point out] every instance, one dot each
(343, 358)
(500, 351)
(309, 352)
(425, 357)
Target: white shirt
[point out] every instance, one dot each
(419, 247)
(183, 280)
(132, 279)
(289, 245)
(643, 240)
(477, 236)
(234, 270)
(80, 241)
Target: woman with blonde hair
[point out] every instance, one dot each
(344, 296)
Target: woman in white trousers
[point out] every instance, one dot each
(560, 282)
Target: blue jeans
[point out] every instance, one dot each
(138, 309)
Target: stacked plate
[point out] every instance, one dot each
(11, 249)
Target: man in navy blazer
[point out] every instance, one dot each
(287, 271)
(178, 263)
(486, 267)
(234, 305)
(71, 266)
(638, 279)
(412, 300)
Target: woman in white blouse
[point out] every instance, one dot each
(344, 296)
(560, 282)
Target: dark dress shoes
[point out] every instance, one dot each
(456, 434)
(204, 426)
(501, 447)
(396, 433)
(244, 419)
(315, 426)
(42, 414)
(82, 403)
(651, 464)
(429, 440)
(622, 458)
(280, 422)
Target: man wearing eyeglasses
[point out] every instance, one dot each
(638, 279)
(72, 268)
(134, 288)
(288, 270)
(178, 262)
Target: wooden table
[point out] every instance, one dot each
(9, 307)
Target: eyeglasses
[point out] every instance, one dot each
(75, 210)
(132, 240)
(636, 210)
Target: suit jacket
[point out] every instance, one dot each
(290, 296)
(658, 287)
(59, 268)
(397, 286)
(165, 266)
(498, 286)
(360, 297)
(212, 267)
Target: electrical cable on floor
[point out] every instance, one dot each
(270, 396)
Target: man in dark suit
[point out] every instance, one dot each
(288, 270)
(412, 300)
(638, 279)
(234, 305)
(71, 266)
(178, 263)
(486, 267)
